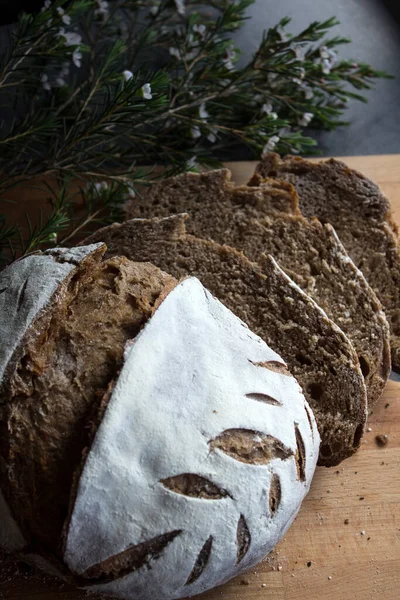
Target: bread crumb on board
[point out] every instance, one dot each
(382, 439)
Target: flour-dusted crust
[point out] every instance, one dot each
(204, 454)
(26, 287)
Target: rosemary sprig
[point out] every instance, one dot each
(169, 92)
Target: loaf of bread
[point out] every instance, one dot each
(151, 445)
(317, 352)
(361, 216)
(266, 220)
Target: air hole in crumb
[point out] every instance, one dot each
(194, 486)
(300, 455)
(201, 561)
(275, 493)
(316, 391)
(303, 360)
(263, 398)
(112, 270)
(128, 561)
(358, 435)
(364, 366)
(249, 446)
(243, 539)
(325, 451)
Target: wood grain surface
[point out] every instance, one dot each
(345, 542)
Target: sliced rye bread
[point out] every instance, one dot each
(317, 352)
(266, 220)
(60, 378)
(361, 215)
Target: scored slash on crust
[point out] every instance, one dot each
(128, 561)
(194, 486)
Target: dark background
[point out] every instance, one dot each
(374, 27)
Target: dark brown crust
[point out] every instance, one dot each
(273, 308)
(265, 219)
(362, 217)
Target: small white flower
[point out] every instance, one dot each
(128, 75)
(46, 5)
(273, 116)
(229, 57)
(200, 29)
(299, 52)
(203, 113)
(195, 132)
(180, 7)
(308, 93)
(154, 10)
(297, 81)
(305, 119)
(60, 82)
(77, 58)
(266, 108)
(328, 59)
(71, 37)
(212, 136)
(102, 8)
(270, 145)
(66, 19)
(100, 186)
(146, 91)
(175, 52)
(191, 163)
(326, 66)
(45, 82)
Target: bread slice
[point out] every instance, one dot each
(62, 374)
(361, 216)
(266, 220)
(317, 352)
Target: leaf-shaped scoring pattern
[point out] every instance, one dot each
(275, 493)
(201, 561)
(300, 455)
(263, 398)
(195, 486)
(273, 365)
(128, 561)
(243, 539)
(249, 446)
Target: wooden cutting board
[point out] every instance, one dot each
(345, 542)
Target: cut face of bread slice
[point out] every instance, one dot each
(58, 383)
(266, 220)
(317, 352)
(361, 216)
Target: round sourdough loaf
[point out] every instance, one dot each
(151, 446)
